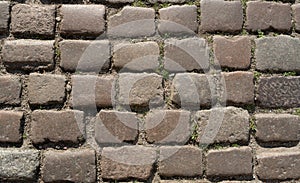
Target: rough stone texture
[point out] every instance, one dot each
(268, 15)
(143, 90)
(46, 89)
(296, 10)
(238, 87)
(56, 126)
(127, 162)
(184, 181)
(191, 90)
(278, 91)
(232, 53)
(120, 1)
(132, 22)
(186, 55)
(234, 161)
(184, 161)
(10, 125)
(278, 163)
(136, 57)
(82, 19)
(277, 127)
(18, 164)
(10, 89)
(33, 20)
(113, 127)
(28, 54)
(85, 56)
(225, 16)
(168, 127)
(4, 16)
(178, 20)
(272, 54)
(93, 91)
(70, 165)
(223, 125)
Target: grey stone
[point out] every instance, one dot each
(296, 10)
(19, 164)
(4, 16)
(223, 125)
(10, 90)
(272, 54)
(132, 22)
(10, 123)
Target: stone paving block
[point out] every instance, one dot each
(32, 20)
(271, 53)
(168, 127)
(176, 161)
(132, 22)
(19, 164)
(85, 56)
(277, 127)
(136, 57)
(10, 90)
(10, 125)
(218, 15)
(93, 91)
(127, 162)
(178, 20)
(223, 125)
(71, 165)
(4, 16)
(234, 161)
(278, 92)
(186, 55)
(278, 164)
(296, 12)
(28, 54)
(113, 127)
(268, 15)
(46, 89)
(232, 53)
(56, 126)
(82, 20)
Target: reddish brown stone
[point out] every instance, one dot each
(71, 165)
(10, 90)
(10, 123)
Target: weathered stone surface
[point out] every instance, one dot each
(10, 89)
(33, 20)
(232, 53)
(4, 16)
(277, 127)
(127, 162)
(296, 10)
(186, 55)
(238, 87)
(279, 91)
(223, 125)
(143, 90)
(191, 90)
(82, 19)
(268, 15)
(70, 165)
(85, 56)
(56, 126)
(28, 54)
(225, 16)
(184, 181)
(184, 161)
(178, 20)
(19, 164)
(113, 127)
(120, 1)
(46, 89)
(132, 22)
(10, 123)
(168, 126)
(93, 91)
(278, 164)
(272, 54)
(136, 57)
(234, 161)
